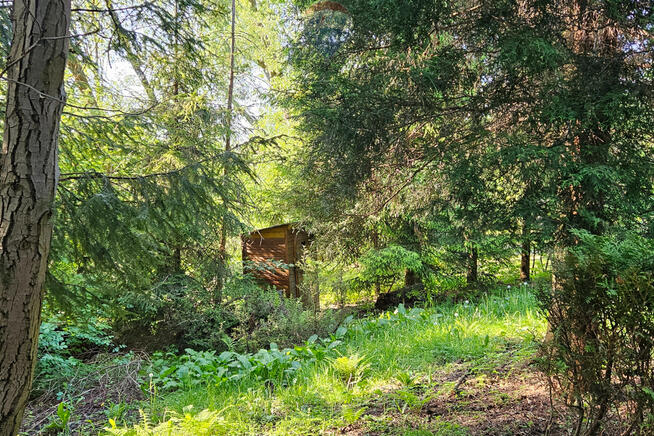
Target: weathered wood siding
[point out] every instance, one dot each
(280, 243)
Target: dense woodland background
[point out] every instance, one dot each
(485, 158)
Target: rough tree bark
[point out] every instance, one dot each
(28, 179)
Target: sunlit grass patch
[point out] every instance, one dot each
(382, 368)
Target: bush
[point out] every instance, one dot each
(599, 352)
(267, 317)
(180, 313)
(177, 312)
(63, 343)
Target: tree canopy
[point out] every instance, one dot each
(424, 147)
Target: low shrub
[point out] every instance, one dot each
(601, 315)
(272, 318)
(179, 312)
(64, 343)
(182, 314)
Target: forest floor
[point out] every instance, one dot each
(465, 368)
(511, 401)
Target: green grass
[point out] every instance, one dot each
(388, 370)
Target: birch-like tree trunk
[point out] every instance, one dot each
(28, 179)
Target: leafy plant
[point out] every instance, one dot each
(205, 422)
(59, 421)
(404, 399)
(61, 341)
(351, 414)
(116, 411)
(272, 365)
(406, 378)
(350, 369)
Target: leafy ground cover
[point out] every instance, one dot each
(454, 368)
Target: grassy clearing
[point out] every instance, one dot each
(381, 379)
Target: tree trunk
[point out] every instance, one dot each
(222, 250)
(524, 259)
(375, 245)
(230, 88)
(28, 179)
(410, 278)
(472, 277)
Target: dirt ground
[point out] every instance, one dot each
(512, 401)
(88, 397)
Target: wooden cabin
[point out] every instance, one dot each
(282, 243)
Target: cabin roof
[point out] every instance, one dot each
(272, 227)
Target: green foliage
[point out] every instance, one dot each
(203, 368)
(316, 398)
(412, 135)
(146, 185)
(272, 318)
(349, 369)
(489, 126)
(603, 330)
(479, 119)
(388, 265)
(204, 423)
(180, 312)
(62, 343)
(59, 421)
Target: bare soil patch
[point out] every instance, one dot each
(89, 397)
(512, 401)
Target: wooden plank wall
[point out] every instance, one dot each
(280, 243)
(260, 248)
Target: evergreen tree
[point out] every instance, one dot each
(531, 114)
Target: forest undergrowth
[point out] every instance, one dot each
(454, 368)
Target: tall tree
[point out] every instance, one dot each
(143, 185)
(560, 90)
(144, 191)
(229, 119)
(28, 180)
(443, 88)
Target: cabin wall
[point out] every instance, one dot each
(284, 244)
(263, 246)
